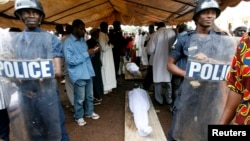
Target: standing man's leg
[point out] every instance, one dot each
(98, 85)
(138, 61)
(89, 98)
(170, 133)
(88, 103)
(65, 136)
(69, 89)
(4, 125)
(168, 92)
(157, 92)
(116, 56)
(148, 80)
(176, 82)
(79, 97)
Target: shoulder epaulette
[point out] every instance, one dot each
(221, 32)
(190, 32)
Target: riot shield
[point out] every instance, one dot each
(29, 86)
(203, 92)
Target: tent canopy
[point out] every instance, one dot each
(93, 12)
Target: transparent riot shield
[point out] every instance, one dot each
(203, 92)
(28, 84)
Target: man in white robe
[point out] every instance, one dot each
(108, 68)
(144, 55)
(159, 46)
(138, 47)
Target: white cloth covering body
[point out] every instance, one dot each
(132, 68)
(139, 106)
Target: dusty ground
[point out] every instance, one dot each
(110, 127)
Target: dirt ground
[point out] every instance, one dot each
(110, 127)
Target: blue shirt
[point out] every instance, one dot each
(77, 59)
(180, 47)
(38, 43)
(57, 48)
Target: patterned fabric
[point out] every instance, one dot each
(238, 79)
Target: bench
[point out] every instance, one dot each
(131, 133)
(130, 76)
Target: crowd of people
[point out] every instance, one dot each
(91, 65)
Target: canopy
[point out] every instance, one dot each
(92, 12)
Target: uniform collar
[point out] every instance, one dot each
(37, 29)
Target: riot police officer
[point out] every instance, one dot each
(39, 98)
(205, 13)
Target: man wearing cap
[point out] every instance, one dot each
(239, 31)
(205, 13)
(41, 103)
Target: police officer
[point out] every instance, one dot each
(205, 13)
(44, 101)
